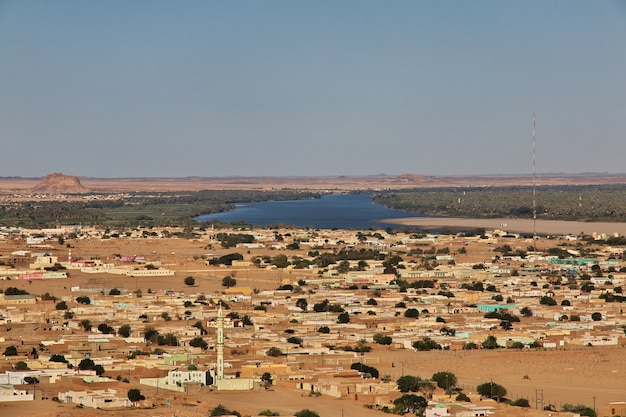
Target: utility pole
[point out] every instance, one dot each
(594, 406)
(534, 191)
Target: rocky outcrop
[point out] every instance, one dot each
(60, 184)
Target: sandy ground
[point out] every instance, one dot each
(11, 185)
(573, 376)
(542, 227)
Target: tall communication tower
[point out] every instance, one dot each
(220, 344)
(534, 190)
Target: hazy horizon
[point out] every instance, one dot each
(277, 88)
(525, 175)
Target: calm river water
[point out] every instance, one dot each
(341, 211)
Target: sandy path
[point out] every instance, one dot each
(543, 227)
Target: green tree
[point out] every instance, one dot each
(150, 334)
(306, 413)
(302, 304)
(115, 291)
(521, 402)
(105, 329)
(412, 313)
(382, 339)
(548, 301)
(581, 409)
(220, 410)
(191, 281)
(83, 299)
(274, 352)
(462, 397)
(10, 351)
(343, 267)
(168, 339)
(199, 342)
(295, 340)
(61, 305)
(89, 365)
(324, 329)
(470, 346)
(31, 380)
(361, 367)
(21, 366)
(343, 317)
(85, 324)
(408, 383)
(526, 312)
(490, 343)
(597, 316)
(268, 412)
(444, 379)
(266, 379)
(280, 261)
(491, 390)
(57, 358)
(198, 325)
(410, 403)
(228, 281)
(426, 344)
(135, 395)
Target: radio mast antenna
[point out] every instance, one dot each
(534, 189)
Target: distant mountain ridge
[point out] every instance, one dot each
(55, 184)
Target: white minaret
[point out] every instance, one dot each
(220, 344)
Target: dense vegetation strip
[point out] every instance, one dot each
(587, 203)
(145, 209)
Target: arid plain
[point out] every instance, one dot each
(565, 376)
(570, 375)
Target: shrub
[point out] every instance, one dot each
(10, 351)
(520, 402)
(463, 397)
(220, 410)
(199, 342)
(274, 352)
(426, 344)
(228, 281)
(83, 299)
(381, 339)
(306, 413)
(361, 367)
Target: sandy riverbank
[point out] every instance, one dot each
(543, 227)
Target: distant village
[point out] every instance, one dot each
(313, 311)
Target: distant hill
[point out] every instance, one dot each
(60, 184)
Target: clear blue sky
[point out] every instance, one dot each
(218, 88)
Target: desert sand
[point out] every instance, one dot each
(525, 226)
(565, 376)
(19, 185)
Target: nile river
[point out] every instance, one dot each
(340, 211)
